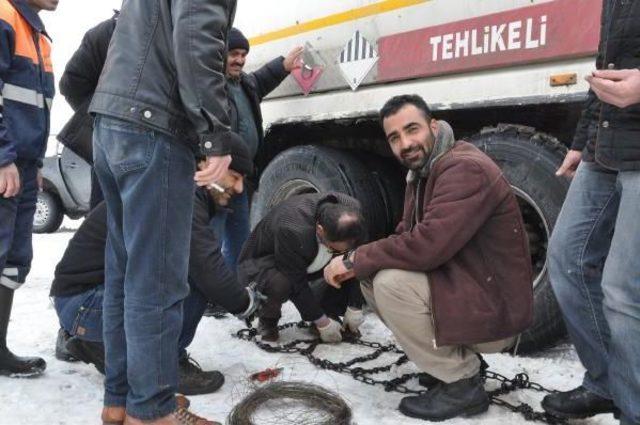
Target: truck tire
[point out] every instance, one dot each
(529, 160)
(312, 169)
(48, 215)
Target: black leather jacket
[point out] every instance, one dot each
(165, 70)
(611, 134)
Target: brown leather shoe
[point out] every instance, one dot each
(181, 416)
(113, 415)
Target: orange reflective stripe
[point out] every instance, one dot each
(24, 43)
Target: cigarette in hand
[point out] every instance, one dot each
(216, 187)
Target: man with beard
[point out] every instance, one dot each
(78, 287)
(455, 278)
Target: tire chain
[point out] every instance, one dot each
(306, 347)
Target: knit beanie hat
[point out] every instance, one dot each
(241, 160)
(237, 40)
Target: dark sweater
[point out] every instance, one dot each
(82, 265)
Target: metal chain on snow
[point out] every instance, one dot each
(307, 347)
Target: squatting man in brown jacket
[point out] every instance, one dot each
(455, 278)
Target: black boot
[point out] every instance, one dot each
(577, 403)
(268, 329)
(62, 353)
(215, 310)
(427, 380)
(192, 380)
(10, 364)
(87, 351)
(465, 397)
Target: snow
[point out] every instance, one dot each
(71, 393)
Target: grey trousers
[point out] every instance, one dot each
(402, 299)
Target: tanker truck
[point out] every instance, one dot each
(508, 75)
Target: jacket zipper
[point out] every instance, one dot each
(603, 65)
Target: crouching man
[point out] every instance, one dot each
(78, 287)
(290, 247)
(455, 278)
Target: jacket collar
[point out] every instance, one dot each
(30, 16)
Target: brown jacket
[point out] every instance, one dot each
(472, 244)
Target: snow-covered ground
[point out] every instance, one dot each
(71, 394)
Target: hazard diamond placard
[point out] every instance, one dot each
(357, 59)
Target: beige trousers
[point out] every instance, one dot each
(403, 301)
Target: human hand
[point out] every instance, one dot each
(9, 180)
(570, 164)
(335, 273)
(353, 319)
(214, 170)
(620, 88)
(329, 332)
(291, 61)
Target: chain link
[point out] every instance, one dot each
(307, 347)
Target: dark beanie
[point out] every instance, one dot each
(241, 161)
(237, 40)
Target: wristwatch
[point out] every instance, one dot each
(346, 260)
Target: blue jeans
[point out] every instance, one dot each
(232, 227)
(147, 181)
(81, 315)
(16, 223)
(595, 275)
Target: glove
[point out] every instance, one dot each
(353, 319)
(256, 299)
(331, 332)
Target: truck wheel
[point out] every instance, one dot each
(312, 169)
(529, 160)
(48, 215)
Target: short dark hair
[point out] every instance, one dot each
(336, 230)
(393, 105)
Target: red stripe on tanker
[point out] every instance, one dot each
(554, 30)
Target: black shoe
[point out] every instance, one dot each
(268, 329)
(192, 380)
(427, 380)
(87, 351)
(465, 397)
(20, 367)
(430, 381)
(577, 404)
(62, 353)
(215, 310)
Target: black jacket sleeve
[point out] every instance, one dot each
(81, 75)
(268, 77)
(199, 38)
(290, 263)
(587, 123)
(207, 268)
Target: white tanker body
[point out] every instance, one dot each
(507, 74)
